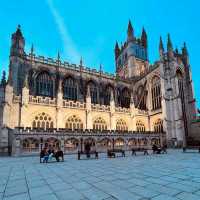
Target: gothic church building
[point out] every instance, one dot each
(47, 102)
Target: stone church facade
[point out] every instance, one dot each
(47, 102)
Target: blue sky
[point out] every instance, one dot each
(89, 28)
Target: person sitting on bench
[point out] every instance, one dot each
(46, 156)
(51, 154)
(58, 154)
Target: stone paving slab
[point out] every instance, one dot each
(175, 176)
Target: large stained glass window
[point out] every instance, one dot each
(44, 85)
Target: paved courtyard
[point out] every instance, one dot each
(175, 176)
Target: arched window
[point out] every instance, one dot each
(125, 98)
(156, 93)
(140, 126)
(107, 95)
(43, 121)
(119, 97)
(70, 89)
(74, 123)
(141, 98)
(93, 92)
(44, 85)
(121, 125)
(158, 126)
(99, 124)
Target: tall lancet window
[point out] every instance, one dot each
(142, 98)
(158, 126)
(44, 84)
(156, 93)
(93, 92)
(70, 89)
(107, 95)
(125, 98)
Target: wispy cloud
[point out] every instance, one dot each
(68, 45)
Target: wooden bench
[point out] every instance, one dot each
(134, 150)
(112, 152)
(191, 148)
(88, 154)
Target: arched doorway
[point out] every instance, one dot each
(119, 143)
(30, 145)
(52, 143)
(104, 144)
(71, 144)
(132, 143)
(92, 143)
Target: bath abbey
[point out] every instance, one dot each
(46, 102)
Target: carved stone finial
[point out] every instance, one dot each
(161, 47)
(26, 81)
(58, 56)
(81, 61)
(88, 91)
(184, 49)
(169, 43)
(32, 49)
(100, 67)
(130, 32)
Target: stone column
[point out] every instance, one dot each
(88, 110)
(24, 106)
(149, 99)
(132, 110)
(8, 106)
(17, 146)
(62, 144)
(59, 100)
(112, 112)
